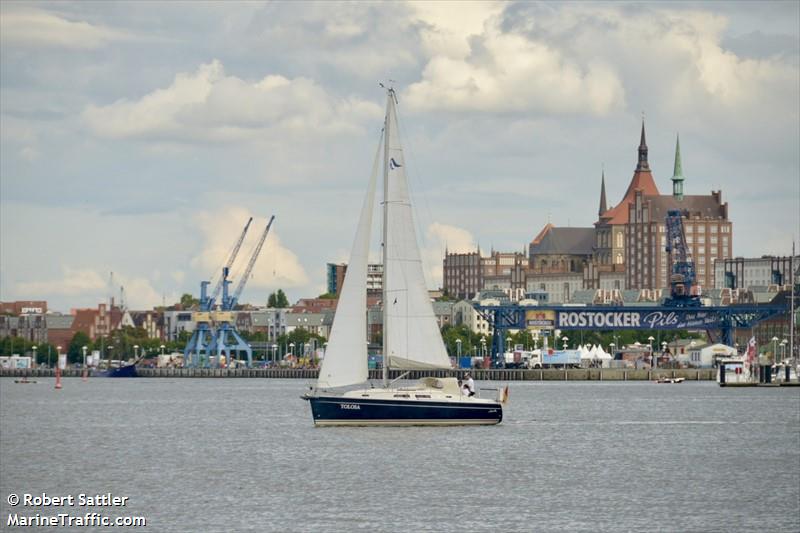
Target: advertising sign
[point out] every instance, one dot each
(62, 361)
(648, 319)
(540, 318)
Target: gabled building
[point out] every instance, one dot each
(152, 322)
(98, 322)
(610, 246)
(708, 232)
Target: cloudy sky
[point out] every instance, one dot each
(138, 137)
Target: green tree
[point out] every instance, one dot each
(75, 349)
(327, 296)
(278, 300)
(300, 336)
(470, 341)
(188, 301)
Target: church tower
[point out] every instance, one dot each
(603, 207)
(643, 165)
(677, 174)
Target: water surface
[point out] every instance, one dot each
(197, 455)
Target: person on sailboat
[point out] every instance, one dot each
(469, 385)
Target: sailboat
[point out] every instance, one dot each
(411, 338)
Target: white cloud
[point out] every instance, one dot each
(503, 71)
(89, 284)
(41, 28)
(447, 26)
(276, 266)
(209, 105)
(74, 281)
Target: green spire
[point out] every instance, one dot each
(677, 174)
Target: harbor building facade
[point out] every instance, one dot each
(462, 275)
(624, 250)
(746, 272)
(336, 272)
(708, 232)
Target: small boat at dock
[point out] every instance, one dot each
(664, 379)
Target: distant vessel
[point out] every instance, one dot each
(125, 371)
(411, 334)
(663, 379)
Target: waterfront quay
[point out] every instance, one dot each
(570, 374)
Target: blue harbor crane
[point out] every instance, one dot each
(682, 277)
(196, 353)
(225, 339)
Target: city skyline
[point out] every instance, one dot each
(138, 138)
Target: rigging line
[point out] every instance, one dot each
(401, 131)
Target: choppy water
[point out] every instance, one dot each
(242, 455)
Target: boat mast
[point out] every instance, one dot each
(384, 297)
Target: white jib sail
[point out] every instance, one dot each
(413, 337)
(345, 361)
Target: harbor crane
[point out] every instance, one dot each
(225, 339)
(682, 278)
(196, 353)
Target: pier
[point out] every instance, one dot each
(571, 374)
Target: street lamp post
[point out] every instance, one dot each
(564, 339)
(612, 346)
(650, 340)
(34, 348)
(774, 354)
(136, 351)
(291, 348)
(274, 349)
(783, 349)
(458, 348)
(483, 347)
(508, 343)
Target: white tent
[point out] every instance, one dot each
(603, 355)
(585, 353)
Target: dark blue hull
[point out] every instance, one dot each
(340, 411)
(128, 371)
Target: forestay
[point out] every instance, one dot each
(413, 336)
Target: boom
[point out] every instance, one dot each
(250, 265)
(229, 264)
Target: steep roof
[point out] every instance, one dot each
(603, 205)
(572, 241)
(707, 206)
(642, 179)
(542, 233)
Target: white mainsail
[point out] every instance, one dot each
(345, 361)
(413, 339)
